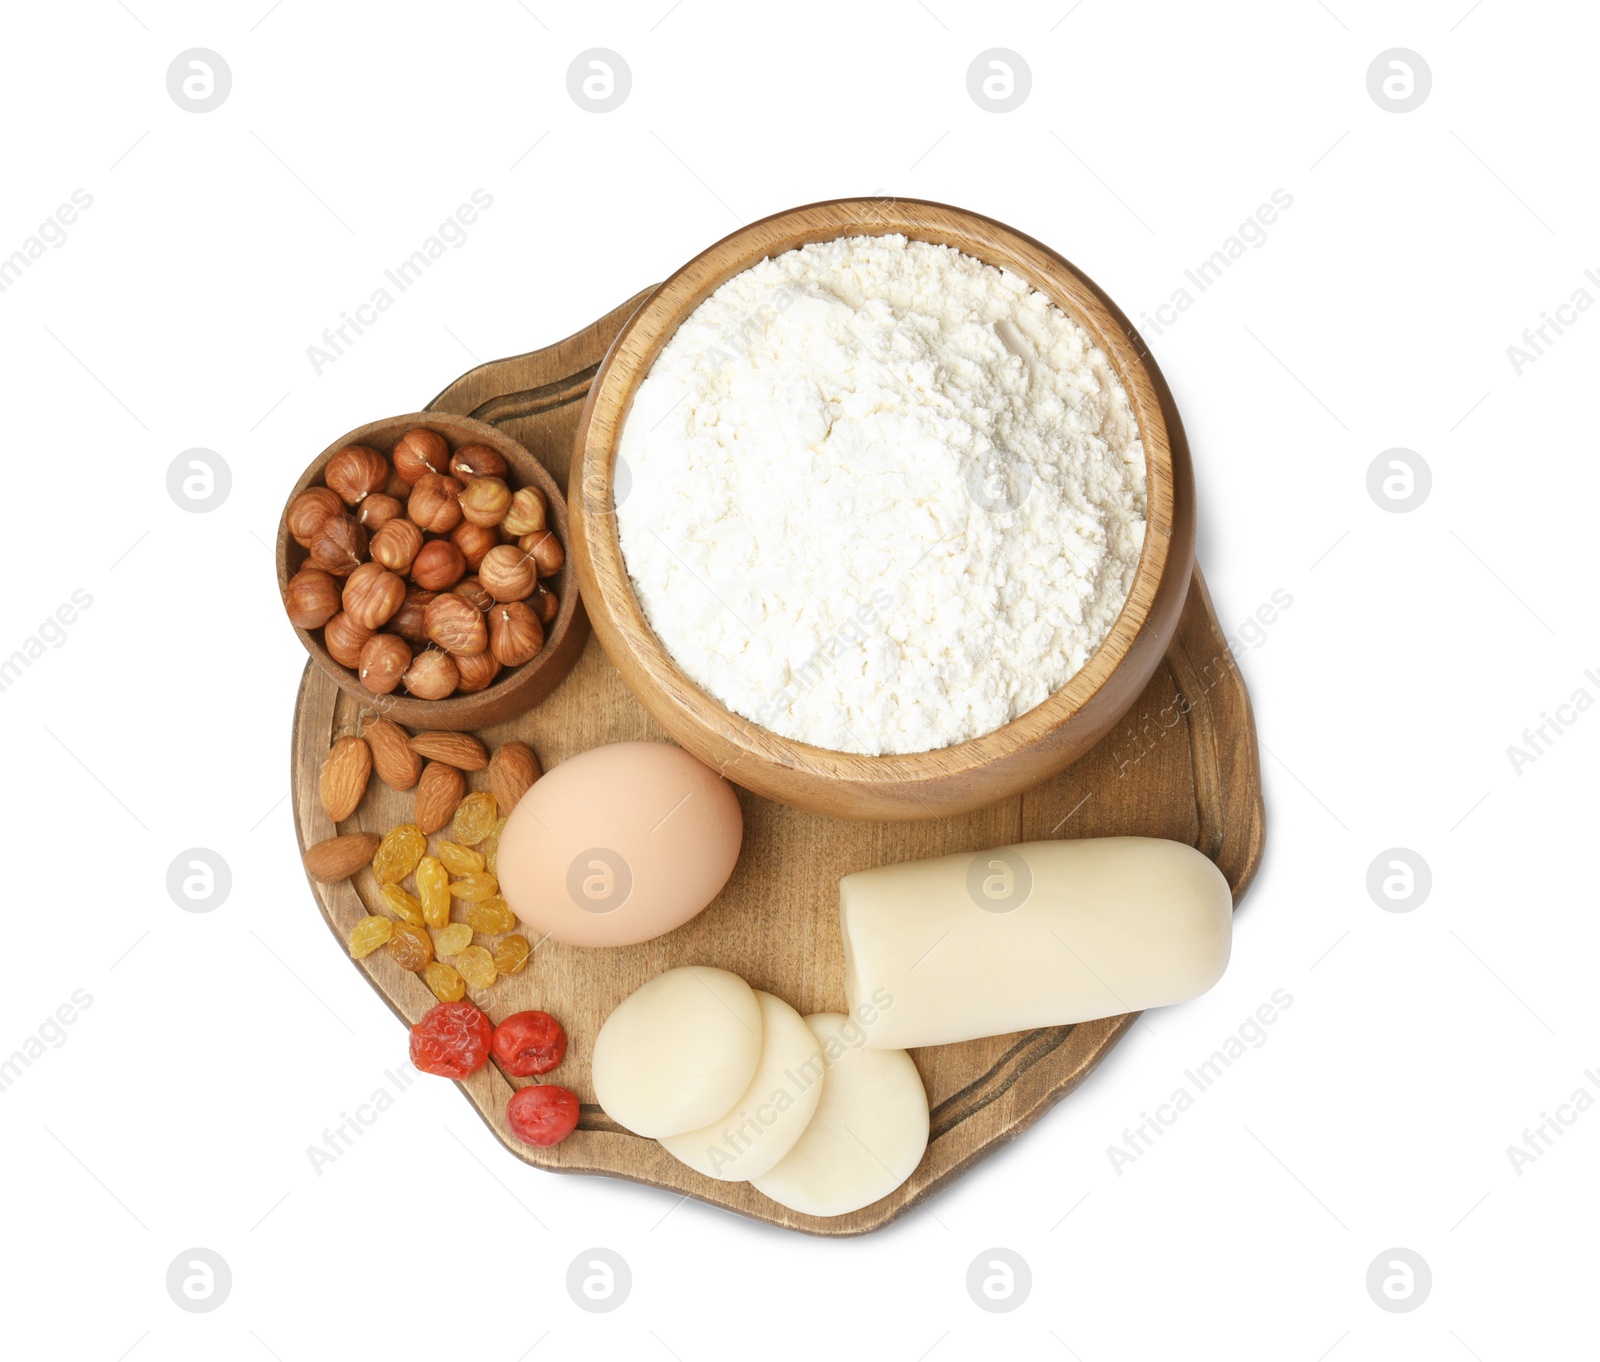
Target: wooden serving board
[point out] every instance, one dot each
(1183, 764)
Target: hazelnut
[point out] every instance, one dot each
(475, 592)
(454, 623)
(545, 550)
(484, 501)
(439, 565)
(508, 573)
(476, 672)
(384, 659)
(409, 620)
(528, 513)
(308, 510)
(338, 545)
(344, 639)
(420, 451)
(372, 594)
(544, 603)
(397, 544)
(474, 541)
(355, 472)
(432, 675)
(311, 598)
(515, 634)
(434, 503)
(378, 510)
(397, 487)
(477, 461)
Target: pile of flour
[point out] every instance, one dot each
(880, 496)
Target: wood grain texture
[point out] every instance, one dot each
(952, 779)
(1182, 763)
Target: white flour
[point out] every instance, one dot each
(880, 496)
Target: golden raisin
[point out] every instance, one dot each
(475, 817)
(511, 954)
(433, 888)
(459, 860)
(403, 905)
(475, 888)
(452, 940)
(402, 847)
(476, 966)
(490, 846)
(447, 985)
(491, 916)
(409, 946)
(368, 934)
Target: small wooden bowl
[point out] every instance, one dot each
(517, 689)
(949, 780)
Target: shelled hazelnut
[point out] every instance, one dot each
(438, 566)
(528, 512)
(476, 672)
(420, 451)
(477, 461)
(508, 573)
(435, 503)
(384, 660)
(474, 541)
(432, 675)
(312, 598)
(355, 472)
(308, 510)
(515, 634)
(338, 544)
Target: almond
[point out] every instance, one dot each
(439, 790)
(340, 857)
(344, 777)
(460, 750)
(512, 770)
(398, 766)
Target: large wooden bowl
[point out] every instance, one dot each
(968, 775)
(517, 689)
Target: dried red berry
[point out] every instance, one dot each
(452, 1040)
(528, 1043)
(542, 1115)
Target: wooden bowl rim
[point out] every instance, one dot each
(614, 606)
(454, 711)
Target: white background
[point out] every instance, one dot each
(1419, 1046)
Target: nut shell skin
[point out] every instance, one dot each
(474, 541)
(307, 512)
(484, 501)
(355, 472)
(396, 544)
(372, 594)
(453, 622)
(384, 660)
(438, 566)
(477, 461)
(378, 510)
(338, 545)
(311, 598)
(515, 634)
(508, 573)
(419, 452)
(435, 503)
(409, 620)
(344, 639)
(476, 672)
(432, 675)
